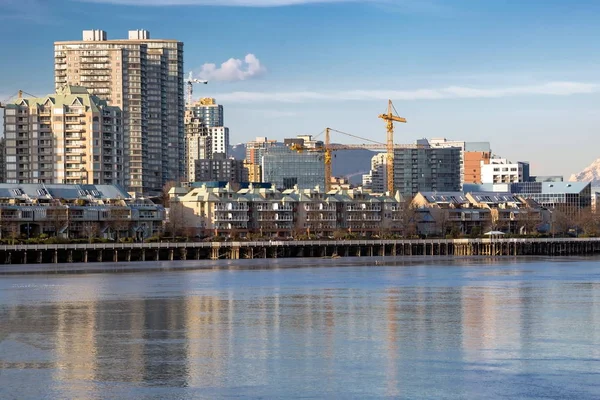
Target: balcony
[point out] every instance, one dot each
(275, 218)
(363, 207)
(363, 218)
(231, 217)
(231, 207)
(320, 207)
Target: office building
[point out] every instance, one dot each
(426, 169)
(500, 170)
(471, 156)
(198, 144)
(219, 169)
(286, 168)
(144, 77)
(68, 137)
(211, 115)
(569, 197)
(546, 178)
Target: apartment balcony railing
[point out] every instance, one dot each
(321, 218)
(363, 218)
(239, 218)
(274, 207)
(231, 207)
(275, 218)
(319, 207)
(360, 208)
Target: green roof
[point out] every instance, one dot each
(68, 95)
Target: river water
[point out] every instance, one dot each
(462, 329)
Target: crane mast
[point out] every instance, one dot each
(327, 160)
(190, 87)
(390, 118)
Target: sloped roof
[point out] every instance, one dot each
(67, 96)
(445, 197)
(494, 197)
(61, 191)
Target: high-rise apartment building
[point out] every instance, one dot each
(2, 161)
(427, 169)
(198, 144)
(376, 180)
(256, 149)
(210, 112)
(144, 77)
(211, 115)
(219, 136)
(69, 137)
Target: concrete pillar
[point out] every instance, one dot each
(171, 254)
(100, 254)
(143, 254)
(70, 256)
(40, 258)
(55, 256)
(25, 257)
(129, 255)
(157, 255)
(85, 256)
(116, 256)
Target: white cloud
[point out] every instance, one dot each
(233, 70)
(450, 92)
(220, 3)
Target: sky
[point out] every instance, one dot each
(522, 75)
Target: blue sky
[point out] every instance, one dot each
(522, 75)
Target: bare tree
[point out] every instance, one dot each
(441, 219)
(409, 219)
(528, 220)
(58, 217)
(561, 222)
(176, 221)
(15, 232)
(164, 196)
(588, 222)
(119, 220)
(90, 230)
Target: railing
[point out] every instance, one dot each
(295, 243)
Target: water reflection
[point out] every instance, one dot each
(470, 338)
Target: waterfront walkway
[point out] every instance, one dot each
(167, 251)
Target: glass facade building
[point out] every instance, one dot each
(427, 169)
(570, 196)
(285, 168)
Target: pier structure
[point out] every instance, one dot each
(168, 251)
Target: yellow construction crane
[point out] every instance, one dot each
(19, 95)
(329, 148)
(390, 118)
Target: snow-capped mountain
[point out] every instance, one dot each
(589, 174)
